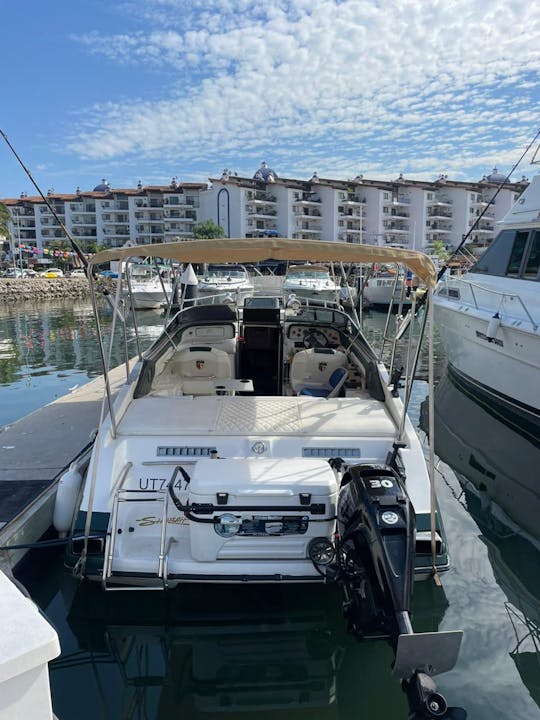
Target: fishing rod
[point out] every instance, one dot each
(47, 202)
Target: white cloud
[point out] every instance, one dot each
(342, 81)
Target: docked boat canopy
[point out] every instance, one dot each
(259, 249)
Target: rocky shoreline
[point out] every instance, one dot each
(14, 290)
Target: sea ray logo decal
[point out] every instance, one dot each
(200, 364)
(323, 366)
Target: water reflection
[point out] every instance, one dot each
(496, 462)
(49, 349)
(205, 651)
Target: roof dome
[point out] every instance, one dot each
(265, 174)
(496, 177)
(102, 187)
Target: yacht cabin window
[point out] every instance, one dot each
(532, 264)
(516, 256)
(513, 253)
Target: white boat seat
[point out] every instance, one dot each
(312, 368)
(199, 367)
(221, 337)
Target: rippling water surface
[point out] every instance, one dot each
(268, 652)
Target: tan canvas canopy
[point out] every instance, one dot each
(260, 249)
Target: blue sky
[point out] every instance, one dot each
(151, 89)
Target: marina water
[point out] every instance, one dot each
(267, 652)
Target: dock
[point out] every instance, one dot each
(34, 452)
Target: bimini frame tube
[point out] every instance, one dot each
(102, 354)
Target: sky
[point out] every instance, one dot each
(148, 90)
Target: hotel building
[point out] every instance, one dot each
(407, 213)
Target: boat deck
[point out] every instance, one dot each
(254, 415)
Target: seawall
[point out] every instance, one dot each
(13, 290)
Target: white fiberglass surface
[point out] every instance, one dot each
(231, 415)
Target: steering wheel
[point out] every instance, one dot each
(315, 339)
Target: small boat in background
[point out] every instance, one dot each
(151, 287)
(388, 286)
(311, 282)
(221, 281)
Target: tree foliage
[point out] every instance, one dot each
(4, 220)
(439, 249)
(207, 230)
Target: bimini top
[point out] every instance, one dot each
(259, 249)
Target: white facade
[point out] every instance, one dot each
(410, 214)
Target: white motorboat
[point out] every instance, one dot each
(311, 282)
(148, 287)
(489, 318)
(267, 444)
(387, 286)
(225, 281)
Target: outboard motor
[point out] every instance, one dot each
(376, 525)
(373, 561)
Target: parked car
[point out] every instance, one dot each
(52, 273)
(78, 272)
(14, 272)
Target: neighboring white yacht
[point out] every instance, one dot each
(489, 318)
(311, 282)
(223, 281)
(267, 444)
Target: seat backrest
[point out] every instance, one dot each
(202, 362)
(197, 369)
(313, 367)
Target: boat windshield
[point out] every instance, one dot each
(311, 274)
(225, 272)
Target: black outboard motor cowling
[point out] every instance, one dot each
(376, 524)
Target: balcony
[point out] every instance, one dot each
(438, 226)
(396, 226)
(306, 212)
(308, 227)
(350, 237)
(85, 233)
(352, 200)
(302, 235)
(306, 198)
(78, 220)
(398, 201)
(262, 211)
(438, 214)
(260, 196)
(439, 202)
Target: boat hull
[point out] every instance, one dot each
(506, 366)
(379, 292)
